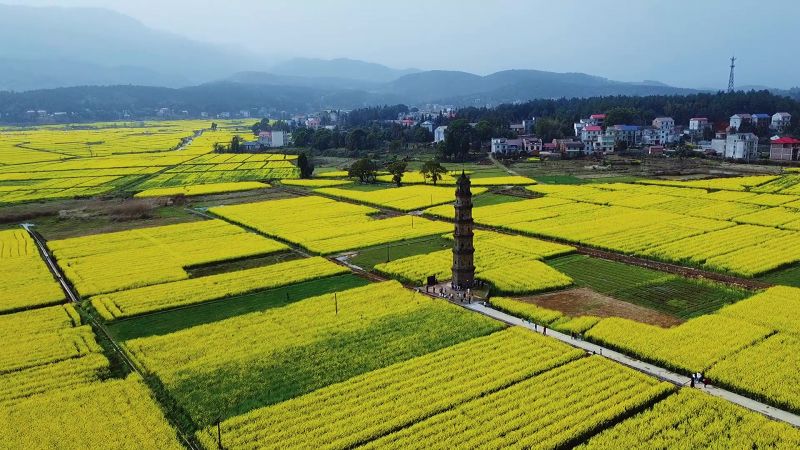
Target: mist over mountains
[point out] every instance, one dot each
(53, 48)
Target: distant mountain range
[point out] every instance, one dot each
(57, 47)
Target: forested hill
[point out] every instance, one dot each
(641, 110)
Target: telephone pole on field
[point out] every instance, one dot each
(730, 79)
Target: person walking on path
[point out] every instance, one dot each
(691, 384)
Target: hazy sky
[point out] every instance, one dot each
(681, 42)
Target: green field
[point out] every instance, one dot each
(789, 276)
(230, 367)
(680, 297)
(170, 321)
(369, 257)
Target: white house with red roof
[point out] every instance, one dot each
(597, 119)
(589, 136)
(784, 149)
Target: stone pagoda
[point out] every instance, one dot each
(463, 249)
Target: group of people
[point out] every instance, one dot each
(461, 297)
(698, 378)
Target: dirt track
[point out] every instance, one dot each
(586, 302)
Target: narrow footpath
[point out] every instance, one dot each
(658, 372)
(97, 325)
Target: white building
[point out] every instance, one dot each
(780, 121)
(664, 130)
(741, 146)
(505, 146)
(438, 134)
(698, 124)
(737, 120)
(589, 136)
(272, 139)
(428, 125)
(605, 144)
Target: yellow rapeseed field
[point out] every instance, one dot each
(202, 189)
(25, 280)
(97, 264)
(326, 226)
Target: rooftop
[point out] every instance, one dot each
(786, 140)
(593, 128)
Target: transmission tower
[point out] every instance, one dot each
(730, 79)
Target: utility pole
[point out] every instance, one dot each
(219, 434)
(730, 79)
(336, 302)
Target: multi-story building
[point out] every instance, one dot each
(589, 136)
(438, 134)
(630, 134)
(741, 146)
(605, 144)
(664, 131)
(579, 126)
(597, 119)
(780, 121)
(272, 139)
(505, 146)
(737, 120)
(697, 125)
(532, 145)
(761, 120)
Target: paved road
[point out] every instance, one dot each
(659, 372)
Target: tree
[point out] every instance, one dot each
(548, 129)
(306, 168)
(213, 126)
(433, 170)
(356, 140)
(458, 139)
(364, 169)
(323, 139)
(622, 116)
(302, 137)
(484, 130)
(236, 144)
(397, 169)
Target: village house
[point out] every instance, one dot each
(505, 146)
(518, 128)
(597, 119)
(697, 125)
(589, 136)
(761, 120)
(737, 120)
(741, 146)
(630, 134)
(272, 139)
(784, 149)
(438, 134)
(780, 121)
(605, 144)
(532, 145)
(664, 131)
